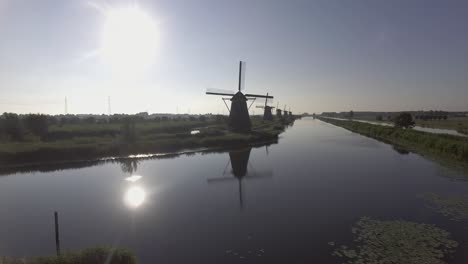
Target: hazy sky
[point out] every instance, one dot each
(314, 55)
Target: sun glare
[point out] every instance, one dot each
(129, 39)
(134, 197)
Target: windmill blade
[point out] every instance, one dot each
(259, 96)
(259, 174)
(214, 91)
(242, 68)
(220, 179)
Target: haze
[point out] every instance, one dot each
(313, 55)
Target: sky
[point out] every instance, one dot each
(313, 56)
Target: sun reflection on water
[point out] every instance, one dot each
(134, 196)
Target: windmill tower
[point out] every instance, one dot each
(267, 115)
(285, 113)
(290, 113)
(278, 111)
(239, 119)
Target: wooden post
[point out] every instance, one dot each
(57, 237)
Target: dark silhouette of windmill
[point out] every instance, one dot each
(278, 111)
(239, 160)
(290, 113)
(239, 119)
(267, 115)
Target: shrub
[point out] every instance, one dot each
(404, 120)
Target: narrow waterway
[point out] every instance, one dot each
(289, 202)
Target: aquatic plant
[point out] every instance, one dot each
(399, 242)
(453, 206)
(94, 255)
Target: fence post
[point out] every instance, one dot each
(57, 237)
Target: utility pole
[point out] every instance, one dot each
(108, 106)
(66, 106)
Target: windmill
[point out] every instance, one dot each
(239, 160)
(239, 119)
(285, 113)
(267, 116)
(290, 113)
(278, 111)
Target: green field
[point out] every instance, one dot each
(460, 124)
(91, 141)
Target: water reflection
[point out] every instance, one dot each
(133, 178)
(400, 150)
(129, 165)
(134, 196)
(239, 161)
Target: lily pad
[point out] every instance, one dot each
(453, 206)
(400, 242)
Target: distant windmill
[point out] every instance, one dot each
(239, 160)
(285, 113)
(267, 116)
(278, 111)
(290, 113)
(239, 119)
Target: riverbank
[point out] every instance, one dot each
(94, 142)
(446, 149)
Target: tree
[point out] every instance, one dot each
(351, 114)
(379, 118)
(12, 126)
(404, 120)
(37, 124)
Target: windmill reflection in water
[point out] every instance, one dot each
(240, 165)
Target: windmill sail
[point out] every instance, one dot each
(215, 91)
(242, 67)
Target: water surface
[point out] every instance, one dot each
(282, 203)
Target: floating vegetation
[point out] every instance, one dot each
(400, 242)
(454, 206)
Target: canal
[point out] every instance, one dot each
(294, 201)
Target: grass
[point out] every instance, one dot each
(95, 255)
(460, 124)
(447, 149)
(92, 141)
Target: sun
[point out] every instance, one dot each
(129, 39)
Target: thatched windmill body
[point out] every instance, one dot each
(278, 111)
(267, 115)
(239, 119)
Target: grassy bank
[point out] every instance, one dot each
(92, 141)
(460, 124)
(95, 255)
(447, 149)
